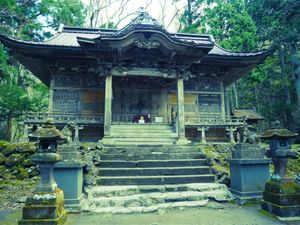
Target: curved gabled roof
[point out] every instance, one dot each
(143, 33)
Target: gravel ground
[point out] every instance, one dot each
(211, 214)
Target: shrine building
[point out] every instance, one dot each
(137, 85)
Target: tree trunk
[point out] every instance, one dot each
(296, 63)
(190, 20)
(283, 70)
(9, 128)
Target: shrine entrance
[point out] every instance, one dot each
(141, 100)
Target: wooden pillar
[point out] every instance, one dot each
(180, 113)
(203, 136)
(180, 108)
(231, 135)
(227, 102)
(222, 99)
(107, 110)
(51, 93)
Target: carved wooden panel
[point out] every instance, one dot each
(93, 102)
(210, 103)
(92, 81)
(66, 80)
(190, 102)
(66, 101)
(202, 84)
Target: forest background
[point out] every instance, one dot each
(239, 25)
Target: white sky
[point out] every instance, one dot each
(157, 9)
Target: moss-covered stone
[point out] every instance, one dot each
(282, 188)
(28, 162)
(9, 150)
(25, 148)
(22, 173)
(13, 160)
(2, 159)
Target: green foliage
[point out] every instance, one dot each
(228, 21)
(67, 12)
(13, 101)
(29, 19)
(249, 25)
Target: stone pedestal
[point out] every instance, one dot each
(46, 209)
(249, 171)
(282, 199)
(68, 175)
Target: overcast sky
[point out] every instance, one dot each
(156, 9)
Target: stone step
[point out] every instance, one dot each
(152, 163)
(143, 135)
(155, 180)
(150, 199)
(153, 171)
(148, 143)
(148, 209)
(142, 126)
(152, 156)
(109, 191)
(148, 130)
(152, 149)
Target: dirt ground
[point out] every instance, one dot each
(212, 214)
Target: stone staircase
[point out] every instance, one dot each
(143, 134)
(146, 179)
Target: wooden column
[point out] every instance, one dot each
(180, 113)
(227, 102)
(180, 108)
(222, 99)
(203, 136)
(107, 110)
(231, 134)
(51, 92)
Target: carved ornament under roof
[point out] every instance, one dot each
(143, 20)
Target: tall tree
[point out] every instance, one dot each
(29, 19)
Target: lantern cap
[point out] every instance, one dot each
(278, 132)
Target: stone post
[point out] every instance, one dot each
(180, 113)
(108, 107)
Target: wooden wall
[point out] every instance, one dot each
(133, 95)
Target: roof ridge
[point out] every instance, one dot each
(69, 29)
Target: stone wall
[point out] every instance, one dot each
(15, 161)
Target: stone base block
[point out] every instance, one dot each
(247, 151)
(283, 212)
(106, 141)
(57, 221)
(243, 197)
(282, 199)
(44, 209)
(183, 141)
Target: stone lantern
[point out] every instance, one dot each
(46, 206)
(282, 194)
